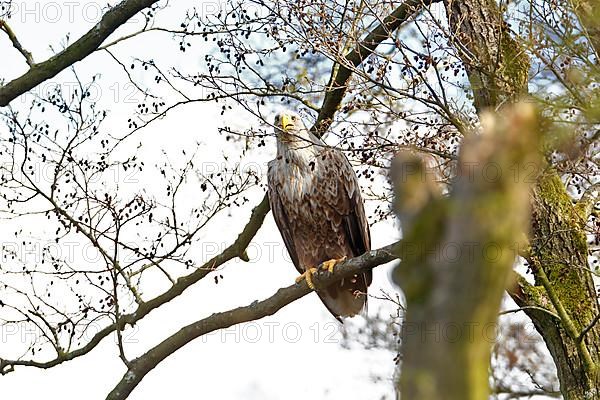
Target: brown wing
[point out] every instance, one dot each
(342, 207)
(335, 210)
(349, 202)
(280, 216)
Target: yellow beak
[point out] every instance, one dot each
(285, 121)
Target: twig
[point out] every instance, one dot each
(82, 48)
(515, 310)
(15, 42)
(236, 249)
(588, 328)
(340, 75)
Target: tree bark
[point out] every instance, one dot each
(558, 258)
(496, 65)
(497, 68)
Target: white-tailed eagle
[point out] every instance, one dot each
(316, 202)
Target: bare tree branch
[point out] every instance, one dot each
(341, 74)
(588, 328)
(237, 249)
(82, 48)
(256, 310)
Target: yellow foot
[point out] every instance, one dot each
(308, 276)
(329, 265)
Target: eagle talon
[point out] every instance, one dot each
(308, 277)
(329, 265)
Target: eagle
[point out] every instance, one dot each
(316, 203)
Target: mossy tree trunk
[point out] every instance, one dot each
(457, 255)
(497, 67)
(564, 286)
(558, 251)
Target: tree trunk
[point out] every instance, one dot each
(564, 286)
(497, 68)
(496, 65)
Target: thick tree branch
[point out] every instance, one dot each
(82, 48)
(336, 88)
(258, 309)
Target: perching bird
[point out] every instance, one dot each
(316, 202)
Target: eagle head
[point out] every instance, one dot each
(290, 128)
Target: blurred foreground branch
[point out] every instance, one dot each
(460, 292)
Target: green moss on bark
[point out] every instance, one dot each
(561, 248)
